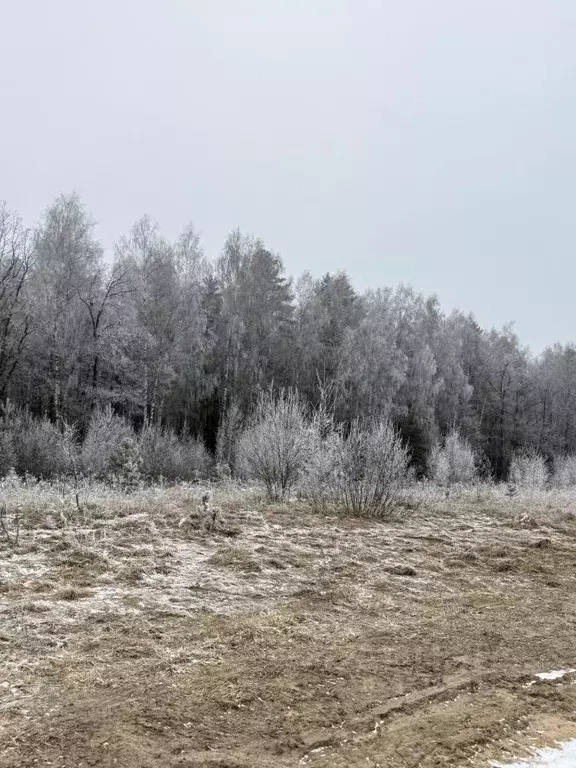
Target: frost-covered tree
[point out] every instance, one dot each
(373, 367)
(16, 261)
(564, 472)
(67, 259)
(528, 470)
(328, 310)
(256, 322)
(452, 462)
(182, 346)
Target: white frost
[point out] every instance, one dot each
(564, 757)
(555, 674)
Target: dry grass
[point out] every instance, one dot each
(128, 639)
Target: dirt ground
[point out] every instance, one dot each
(285, 638)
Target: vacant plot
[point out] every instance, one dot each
(132, 636)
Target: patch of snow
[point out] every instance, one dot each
(555, 674)
(564, 757)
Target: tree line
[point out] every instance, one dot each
(160, 335)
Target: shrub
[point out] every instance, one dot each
(528, 470)
(564, 475)
(106, 431)
(325, 445)
(7, 451)
(221, 473)
(453, 461)
(275, 446)
(198, 460)
(372, 468)
(40, 449)
(126, 464)
(318, 483)
(164, 455)
(484, 468)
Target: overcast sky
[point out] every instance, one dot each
(425, 141)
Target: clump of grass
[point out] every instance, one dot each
(10, 526)
(32, 607)
(231, 557)
(71, 593)
(400, 570)
(132, 574)
(207, 518)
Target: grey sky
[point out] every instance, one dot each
(427, 141)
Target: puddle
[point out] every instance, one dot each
(563, 757)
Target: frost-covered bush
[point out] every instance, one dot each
(564, 474)
(197, 459)
(106, 431)
(319, 475)
(276, 445)
(528, 470)
(7, 452)
(112, 449)
(126, 464)
(453, 461)
(221, 473)
(372, 469)
(34, 447)
(361, 474)
(484, 468)
(165, 455)
(40, 449)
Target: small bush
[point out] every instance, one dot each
(318, 483)
(40, 449)
(198, 460)
(484, 468)
(106, 431)
(564, 474)
(275, 447)
(325, 448)
(222, 473)
(372, 469)
(126, 464)
(164, 455)
(11, 482)
(528, 470)
(7, 451)
(453, 462)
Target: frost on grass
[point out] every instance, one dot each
(117, 599)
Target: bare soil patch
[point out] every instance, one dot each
(304, 640)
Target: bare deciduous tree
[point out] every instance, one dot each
(15, 317)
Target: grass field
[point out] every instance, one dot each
(132, 637)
